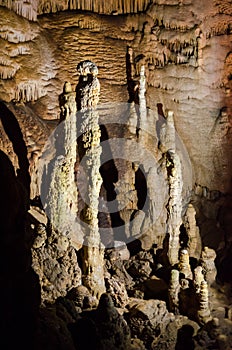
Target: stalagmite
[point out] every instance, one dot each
(184, 265)
(89, 150)
(62, 194)
(198, 278)
(208, 257)
(127, 197)
(167, 145)
(142, 102)
(133, 119)
(174, 206)
(173, 291)
(167, 141)
(194, 238)
(204, 314)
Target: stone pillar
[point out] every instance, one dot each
(173, 292)
(62, 193)
(194, 238)
(204, 310)
(167, 145)
(89, 151)
(184, 265)
(142, 101)
(198, 278)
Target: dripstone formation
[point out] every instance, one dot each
(89, 151)
(115, 218)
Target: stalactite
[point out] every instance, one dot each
(89, 150)
(31, 8)
(8, 72)
(29, 91)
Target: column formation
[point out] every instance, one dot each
(89, 152)
(62, 192)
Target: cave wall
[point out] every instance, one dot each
(185, 47)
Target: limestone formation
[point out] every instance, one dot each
(173, 291)
(67, 102)
(204, 314)
(30, 9)
(198, 279)
(184, 266)
(208, 257)
(89, 152)
(61, 199)
(142, 122)
(167, 140)
(192, 230)
(174, 206)
(178, 60)
(127, 197)
(172, 162)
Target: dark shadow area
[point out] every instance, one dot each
(141, 188)
(84, 334)
(20, 290)
(161, 119)
(13, 131)
(109, 175)
(185, 338)
(183, 237)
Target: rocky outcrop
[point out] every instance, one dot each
(147, 319)
(55, 262)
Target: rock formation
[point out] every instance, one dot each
(89, 151)
(184, 265)
(173, 292)
(192, 231)
(60, 195)
(30, 9)
(167, 146)
(204, 308)
(165, 74)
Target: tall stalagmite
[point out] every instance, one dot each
(62, 192)
(175, 183)
(89, 150)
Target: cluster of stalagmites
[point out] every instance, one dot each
(134, 283)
